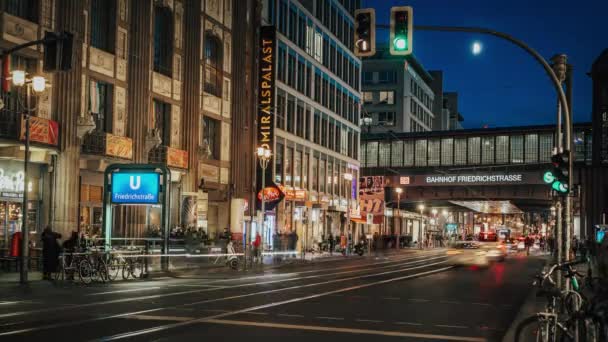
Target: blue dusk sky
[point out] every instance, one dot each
(503, 85)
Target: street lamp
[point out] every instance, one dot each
(434, 211)
(421, 208)
(399, 191)
(264, 154)
(38, 85)
(348, 177)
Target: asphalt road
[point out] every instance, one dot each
(411, 296)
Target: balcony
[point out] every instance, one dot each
(172, 157)
(43, 132)
(108, 145)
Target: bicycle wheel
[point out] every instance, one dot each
(127, 269)
(535, 329)
(60, 274)
(101, 270)
(85, 271)
(137, 268)
(113, 268)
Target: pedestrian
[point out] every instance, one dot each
(574, 246)
(528, 243)
(256, 247)
(332, 244)
(50, 252)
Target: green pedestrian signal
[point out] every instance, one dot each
(557, 177)
(548, 177)
(401, 33)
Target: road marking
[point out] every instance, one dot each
(368, 320)
(418, 300)
(451, 326)
(391, 298)
(11, 323)
(161, 318)
(449, 302)
(123, 300)
(290, 315)
(331, 318)
(269, 305)
(195, 285)
(124, 291)
(347, 330)
(72, 323)
(408, 323)
(256, 313)
(215, 310)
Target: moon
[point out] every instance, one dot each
(477, 47)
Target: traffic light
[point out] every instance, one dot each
(365, 32)
(57, 51)
(402, 29)
(558, 176)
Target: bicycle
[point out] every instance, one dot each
(547, 326)
(67, 269)
(133, 266)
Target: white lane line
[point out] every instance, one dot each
(449, 302)
(124, 291)
(11, 323)
(348, 330)
(369, 320)
(72, 323)
(11, 303)
(161, 318)
(330, 318)
(451, 326)
(290, 315)
(194, 285)
(215, 310)
(256, 313)
(418, 300)
(408, 323)
(482, 304)
(269, 305)
(124, 300)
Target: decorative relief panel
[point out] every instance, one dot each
(211, 103)
(161, 84)
(120, 110)
(214, 9)
(176, 123)
(123, 9)
(121, 69)
(101, 62)
(226, 98)
(179, 22)
(225, 139)
(18, 31)
(224, 174)
(121, 43)
(48, 15)
(209, 172)
(228, 13)
(227, 52)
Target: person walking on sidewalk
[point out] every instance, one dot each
(50, 252)
(256, 247)
(331, 243)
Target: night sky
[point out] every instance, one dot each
(504, 86)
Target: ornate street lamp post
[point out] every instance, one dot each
(264, 156)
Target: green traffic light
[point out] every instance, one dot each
(400, 43)
(548, 177)
(560, 187)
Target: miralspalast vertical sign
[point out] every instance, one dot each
(266, 112)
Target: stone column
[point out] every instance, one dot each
(191, 91)
(66, 110)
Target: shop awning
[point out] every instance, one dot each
(358, 220)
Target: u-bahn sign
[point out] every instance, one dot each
(455, 179)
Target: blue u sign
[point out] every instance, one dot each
(135, 188)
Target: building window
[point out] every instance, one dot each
(460, 151)
(502, 149)
(474, 150)
(297, 169)
(291, 112)
(210, 134)
(314, 174)
(281, 110)
(532, 148)
(101, 104)
(163, 40)
(368, 77)
(546, 147)
(322, 176)
(213, 64)
(517, 149)
(421, 149)
(288, 167)
(305, 171)
(162, 120)
(103, 24)
(372, 154)
(434, 152)
(397, 154)
(408, 153)
(26, 9)
(387, 97)
(300, 128)
(384, 154)
(386, 77)
(386, 118)
(278, 164)
(447, 149)
(487, 150)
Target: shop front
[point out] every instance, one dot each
(12, 188)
